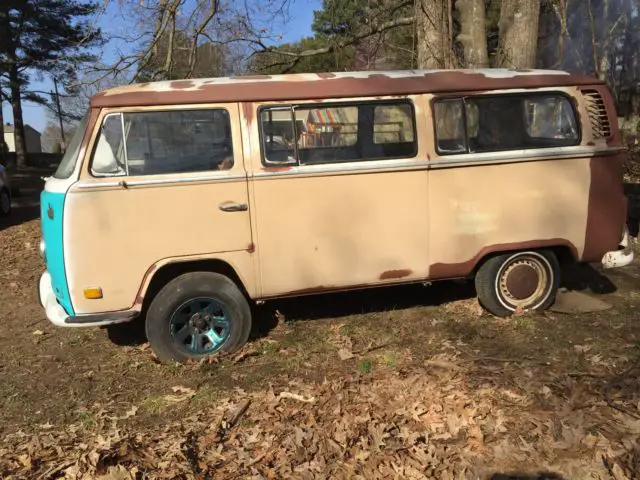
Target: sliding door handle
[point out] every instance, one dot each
(233, 207)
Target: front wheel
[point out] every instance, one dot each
(196, 315)
(518, 281)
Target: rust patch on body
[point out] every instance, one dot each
(182, 84)
(247, 111)
(290, 87)
(326, 75)
(147, 275)
(439, 271)
(390, 274)
(251, 248)
(607, 211)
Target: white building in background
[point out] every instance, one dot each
(32, 138)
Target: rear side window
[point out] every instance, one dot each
(164, 142)
(334, 133)
(510, 122)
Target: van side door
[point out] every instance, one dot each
(341, 194)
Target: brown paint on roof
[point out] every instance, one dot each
(182, 84)
(318, 86)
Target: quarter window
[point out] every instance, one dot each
(334, 133)
(176, 141)
(510, 122)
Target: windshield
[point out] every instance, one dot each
(68, 162)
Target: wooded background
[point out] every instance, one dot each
(174, 39)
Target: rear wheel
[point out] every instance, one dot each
(5, 202)
(518, 281)
(196, 315)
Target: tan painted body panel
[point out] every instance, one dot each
(320, 232)
(479, 206)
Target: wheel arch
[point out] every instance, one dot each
(565, 254)
(159, 274)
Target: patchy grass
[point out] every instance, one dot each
(365, 366)
(153, 404)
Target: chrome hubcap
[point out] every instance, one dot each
(524, 283)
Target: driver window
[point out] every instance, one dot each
(108, 157)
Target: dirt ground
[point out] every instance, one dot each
(407, 382)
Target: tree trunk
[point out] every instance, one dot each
(21, 149)
(518, 33)
(473, 34)
(433, 33)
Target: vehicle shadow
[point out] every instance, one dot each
(583, 277)
(20, 214)
(358, 302)
(537, 476)
(320, 307)
(324, 306)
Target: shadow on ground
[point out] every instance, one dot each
(585, 277)
(538, 476)
(367, 301)
(325, 306)
(19, 215)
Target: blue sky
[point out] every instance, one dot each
(298, 26)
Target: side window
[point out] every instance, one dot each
(109, 154)
(449, 119)
(550, 118)
(278, 135)
(330, 134)
(335, 133)
(164, 142)
(393, 124)
(497, 123)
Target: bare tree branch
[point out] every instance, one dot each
(193, 52)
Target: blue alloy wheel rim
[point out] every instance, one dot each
(200, 326)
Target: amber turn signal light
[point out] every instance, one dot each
(93, 293)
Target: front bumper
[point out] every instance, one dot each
(57, 315)
(621, 257)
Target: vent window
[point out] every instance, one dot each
(597, 114)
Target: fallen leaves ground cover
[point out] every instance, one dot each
(396, 383)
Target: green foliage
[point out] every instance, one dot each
(335, 26)
(341, 18)
(47, 36)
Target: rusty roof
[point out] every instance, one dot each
(302, 86)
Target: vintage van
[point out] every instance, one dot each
(188, 201)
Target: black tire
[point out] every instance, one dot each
(5, 202)
(533, 288)
(187, 288)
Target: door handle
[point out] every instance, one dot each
(233, 207)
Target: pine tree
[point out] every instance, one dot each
(49, 36)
